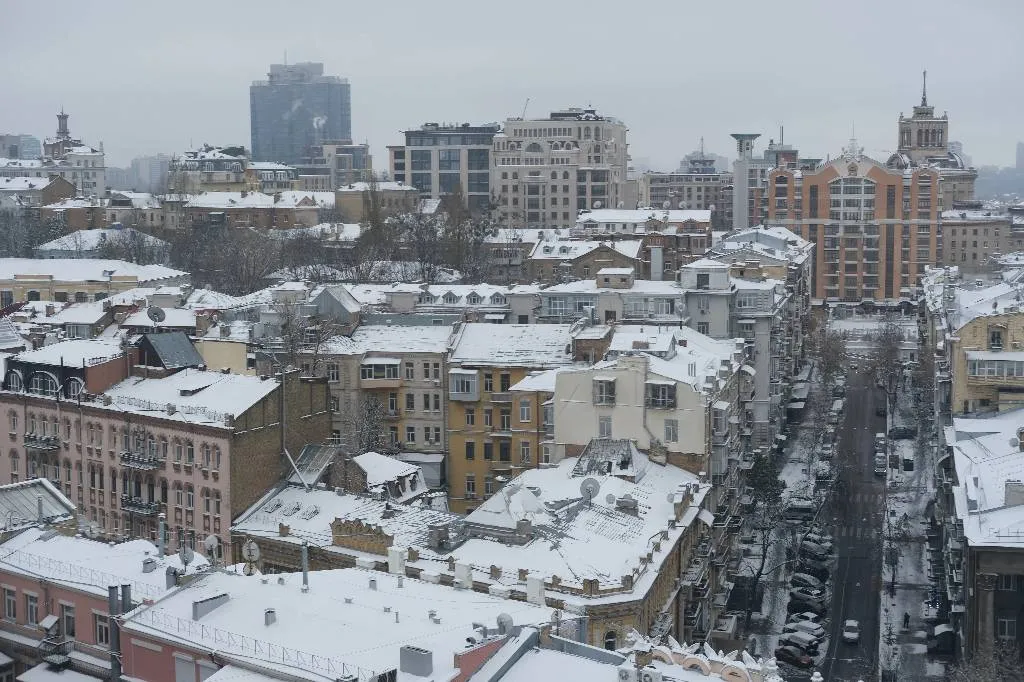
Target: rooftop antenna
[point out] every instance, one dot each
(702, 146)
(924, 88)
(782, 134)
(525, 104)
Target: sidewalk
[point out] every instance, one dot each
(909, 494)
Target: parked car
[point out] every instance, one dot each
(903, 432)
(806, 580)
(793, 656)
(813, 629)
(808, 616)
(824, 541)
(881, 466)
(818, 569)
(800, 606)
(851, 631)
(801, 640)
(808, 594)
(813, 550)
(880, 410)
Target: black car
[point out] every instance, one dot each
(815, 570)
(903, 432)
(793, 656)
(880, 410)
(800, 606)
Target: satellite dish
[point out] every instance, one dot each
(671, 497)
(249, 569)
(598, 204)
(610, 498)
(186, 555)
(251, 551)
(210, 544)
(156, 314)
(1014, 442)
(589, 488)
(666, 204)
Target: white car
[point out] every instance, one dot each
(851, 631)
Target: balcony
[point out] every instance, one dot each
(137, 505)
(380, 382)
(549, 429)
(141, 461)
(725, 627)
(392, 413)
(56, 651)
(693, 613)
(34, 441)
(501, 397)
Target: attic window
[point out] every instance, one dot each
(450, 298)
(426, 298)
(473, 299)
(498, 299)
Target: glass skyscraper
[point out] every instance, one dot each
(296, 107)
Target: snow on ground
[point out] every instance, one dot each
(908, 496)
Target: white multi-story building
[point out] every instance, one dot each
(79, 164)
(545, 170)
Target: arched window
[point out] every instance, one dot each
(14, 381)
(178, 499)
(565, 175)
(534, 148)
(74, 388)
(586, 133)
(150, 489)
(216, 502)
(163, 448)
(190, 497)
(43, 383)
(163, 490)
(151, 445)
(610, 638)
(206, 455)
(137, 490)
(554, 175)
(31, 422)
(178, 450)
(206, 500)
(216, 457)
(190, 452)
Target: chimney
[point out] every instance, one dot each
(148, 565)
(114, 609)
(269, 617)
(39, 509)
(412, 660)
(126, 598)
(305, 566)
(373, 584)
(160, 536)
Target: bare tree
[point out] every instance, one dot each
(132, 246)
(364, 427)
(886, 361)
(999, 664)
(304, 335)
(235, 260)
(423, 235)
(832, 347)
(764, 522)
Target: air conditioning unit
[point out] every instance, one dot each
(650, 675)
(627, 674)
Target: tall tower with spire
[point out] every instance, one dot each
(924, 136)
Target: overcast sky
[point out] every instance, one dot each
(146, 78)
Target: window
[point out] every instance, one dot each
(470, 416)
(671, 431)
(488, 382)
(703, 328)
(524, 452)
(604, 391)
(1006, 628)
(1008, 583)
(661, 396)
(14, 424)
(10, 604)
(611, 640)
(506, 419)
(703, 281)
(488, 417)
(67, 620)
(410, 434)
(332, 371)
(504, 451)
(102, 627)
(437, 402)
(470, 449)
(381, 371)
(524, 410)
(995, 339)
(31, 609)
(488, 450)
(410, 370)
(410, 402)
(470, 486)
(335, 404)
(43, 384)
(190, 497)
(190, 452)
(604, 427)
(463, 383)
(506, 382)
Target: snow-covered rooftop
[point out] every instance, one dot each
(89, 240)
(173, 318)
(440, 295)
(380, 186)
(22, 184)
(773, 242)
(89, 565)
(381, 469)
(78, 313)
(512, 345)
(141, 200)
(73, 202)
(538, 382)
(349, 621)
(295, 197)
(639, 216)
(401, 339)
(199, 397)
(309, 514)
(989, 463)
(269, 165)
(83, 270)
(675, 352)
(646, 286)
(19, 503)
(566, 249)
(73, 353)
(231, 200)
(577, 540)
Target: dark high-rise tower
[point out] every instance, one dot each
(297, 106)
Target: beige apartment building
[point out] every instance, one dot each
(545, 170)
(973, 239)
(875, 230)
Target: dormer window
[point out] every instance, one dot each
(498, 299)
(473, 299)
(450, 298)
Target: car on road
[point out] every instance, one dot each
(806, 580)
(853, 365)
(813, 629)
(824, 541)
(805, 616)
(793, 656)
(808, 594)
(813, 550)
(880, 410)
(851, 631)
(881, 466)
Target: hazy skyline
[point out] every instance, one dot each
(145, 80)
